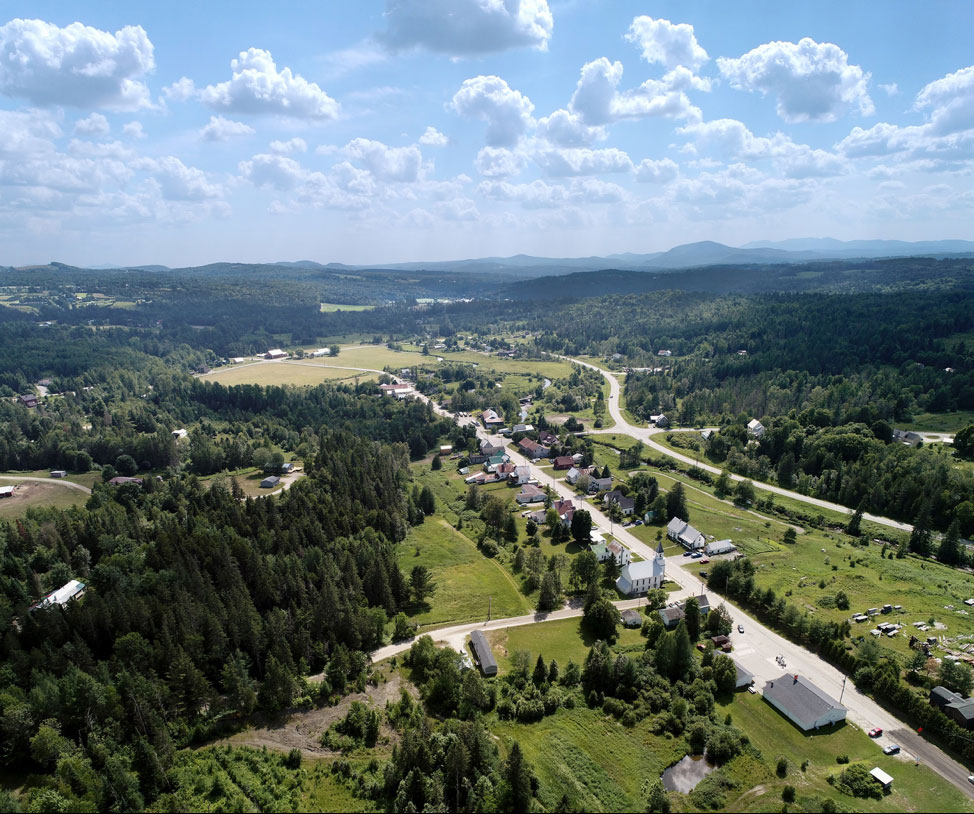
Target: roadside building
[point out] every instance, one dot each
(639, 577)
(802, 703)
(755, 428)
(483, 653)
(275, 353)
(59, 473)
(719, 547)
(631, 618)
(686, 535)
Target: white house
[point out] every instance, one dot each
(685, 534)
(520, 475)
(179, 434)
(620, 553)
(660, 420)
(640, 577)
(530, 494)
(719, 547)
(755, 428)
(804, 704)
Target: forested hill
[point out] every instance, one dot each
(899, 274)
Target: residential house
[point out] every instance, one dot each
(522, 428)
(321, 352)
(565, 509)
(660, 421)
(601, 551)
(599, 485)
(620, 553)
(627, 505)
(287, 469)
(270, 482)
(28, 400)
(707, 434)
(686, 535)
(576, 472)
(564, 462)
(547, 438)
(483, 653)
(664, 353)
(520, 475)
(954, 706)
(801, 702)
(755, 428)
(745, 678)
(530, 494)
(275, 353)
(911, 439)
(504, 470)
(491, 420)
(477, 477)
(533, 449)
(671, 616)
(121, 481)
(179, 435)
(489, 450)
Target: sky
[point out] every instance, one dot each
(188, 133)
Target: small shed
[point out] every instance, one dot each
(270, 482)
(59, 473)
(483, 653)
(631, 618)
(885, 780)
(6, 491)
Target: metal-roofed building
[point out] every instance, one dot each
(485, 656)
(804, 704)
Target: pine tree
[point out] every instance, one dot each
(540, 674)
(516, 795)
(853, 526)
(676, 503)
(920, 536)
(949, 551)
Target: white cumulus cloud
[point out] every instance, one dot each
(294, 145)
(571, 161)
(277, 171)
(657, 172)
(506, 111)
(467, 27)
(93, 125)
(499, 162)
(667, 43)
(567, 129)
(77, 66)
(133, 130)
(258, 87)
(223, 129)
(433, 138)
(384, 162)
(178, 182)
(811, 81)
(181, 90)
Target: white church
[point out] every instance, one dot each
(639, 577)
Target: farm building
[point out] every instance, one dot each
(801, 702)
(270, 482)
(719, 547)
(321, 352)
(63, 595)
(6, 491)
(59, 473)
(179, 434)
(483, 653)
(275, 353)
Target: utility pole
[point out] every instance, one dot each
(843, 689)
(488, 607)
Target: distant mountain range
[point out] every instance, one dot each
(689, 255)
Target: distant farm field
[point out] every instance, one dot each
(939, 422)
(285, 372)
(34, 494)
(379, 357)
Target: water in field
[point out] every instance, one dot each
(685, 775)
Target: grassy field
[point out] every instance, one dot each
(33, 494)
(88, 479)
(465, 577)
(379, 357)
(587, 755)
(915, 788)
(552, 368)
(329, 307)
(280, 373)
(562, 640)
(939, 422)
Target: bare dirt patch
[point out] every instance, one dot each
(303, 730)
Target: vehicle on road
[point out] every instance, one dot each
(970, 778)
(696, 555)
(703, 574)
(704, 561)
(740, 628)
(751, 689)
(892, 749)
(687, 553)
(875, 732)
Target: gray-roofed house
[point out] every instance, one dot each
(755, 428)
(801, 702)
(483, 653)
(954, 706)
(745, 678)
(685, 534)
(670, 617)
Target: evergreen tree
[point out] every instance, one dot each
(676, 503)
(437, 463)
(853, 527)
(421, 583)
(510, 529)
(426, 501)
(920, 536)
(786, 470)
(540, 674)
(550, 596)
(517, 795)
(691, 617)
(949, 551)
(581, 526)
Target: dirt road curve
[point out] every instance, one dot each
(58, 481)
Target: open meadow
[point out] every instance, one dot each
(29, 494)
(285, 372)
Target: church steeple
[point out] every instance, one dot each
(659, 550)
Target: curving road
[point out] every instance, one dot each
(645, 434)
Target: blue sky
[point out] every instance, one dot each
(376, 132)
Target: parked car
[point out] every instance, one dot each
(751, 689)
(703, 574)
(638, 523)
(704, 561)
(740, 628)
(696, 555)
(875, 732)
(892, 749)
(687, 553)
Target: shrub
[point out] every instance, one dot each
(788, 794)
(782, 767)
(857, 782)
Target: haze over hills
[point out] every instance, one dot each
(688, 255)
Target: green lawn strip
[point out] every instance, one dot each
(938, 422)
(465, 578)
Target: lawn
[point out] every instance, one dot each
(88, 479)
(281, 373)
(379, 357)
(465, 578)
(34, 494)
(915, 788)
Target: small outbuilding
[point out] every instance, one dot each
(6, 491)
(270, 482)
(885, 780)
(59, 473)
(483, 653)
(631, 618)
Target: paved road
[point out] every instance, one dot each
(645, 434)
(58, 481)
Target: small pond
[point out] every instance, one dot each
(685, 775)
